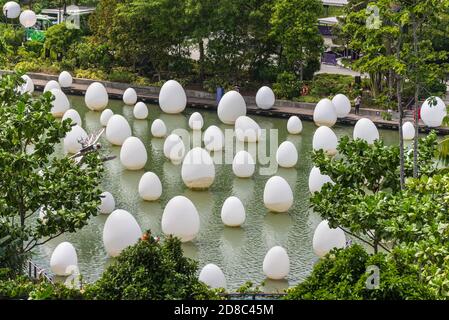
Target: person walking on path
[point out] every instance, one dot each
(357, 103)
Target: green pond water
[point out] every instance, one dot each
(238, 251)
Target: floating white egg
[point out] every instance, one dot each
(317, 180)
(60, 104)
(196, 121)
(342, 105)
(117, 130)
(27, 18)
(107, 203)
(212, 276)
(325, 113)
(231, 106)
(233, 212)
(294, 125)
(11, 10)
(247, 130)
(174, 148)
(52, 84)
(120, 231)
(65, 79)
(433, 115)
(158, 128)
(63, 257)
(140, 111)
(324, 138)
(72, 138)
(265, 98)
(287, 155)
(133, 154)
(106, 114)
(180, 219)
(276, 264)
(325, 239)
(213, 139)
(243, 164)
(130, 96)
(172, 97)
(28, 86)
(277, 195)
(73, 115)
(198, 169)
(150, 187)
(96, 97)
(366, 130)
(408, 130)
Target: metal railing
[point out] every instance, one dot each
(36, 273)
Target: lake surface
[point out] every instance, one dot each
(238, 251)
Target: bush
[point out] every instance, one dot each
(89, 54)
(287, 86)
(58, 40)
(325, 85)
(342, 274)
(93, 74)
(151, 270)
(28, 66)
(121, 75)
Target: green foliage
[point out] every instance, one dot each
(93, 74)
(326, 85)
(287, 85)
(59, 38)
(121, 75)
(32, 178)
(342, 275)
(151, 270)
(386, 115)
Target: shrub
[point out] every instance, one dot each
(325, 85)
(121, 75)
(28, 66)
(287, 85)
(93, 74)
(59, 38)
(150, 269)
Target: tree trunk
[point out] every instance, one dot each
(201, 47)
(401, 136)
(416, 108)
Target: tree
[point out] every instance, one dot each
(294, 25)
(151, 269)
(34, 179)
(59, 38)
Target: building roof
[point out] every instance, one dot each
(72, 10)
(335, 3)
(328, 20)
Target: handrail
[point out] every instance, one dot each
(36, 273)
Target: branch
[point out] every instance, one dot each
(43, 242)
(356, 236)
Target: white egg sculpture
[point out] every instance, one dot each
(324, 138)
(196, 121)
(106, 114)
(212, 276)
(63, 257)
(120, 231)
(180, 219)
(325, 113)
(294, 125)
(117, 130)
(366, 130)
(133, 154)
(174, 148)
(65, 79)
(107, 203)
(233, 212)
(73, 115)
(276, 264)
(52, 84)
(140, 111)
(27, 18)
(243, 164)
(287, 155)
(213, 139)
(198, 169)
(60, 104)
(277, 195)
(231, 106)
(150, 187)
(11, 10)
(96, 97)
(158, 128)
(317, 180)
(28, 86)
(325, 239)
(342, 105)
(172, 97)
(130, 97)
(72, 138)
(408, 131)
(433, 115)
(265, 98)
(247, 130)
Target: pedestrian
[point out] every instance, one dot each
(357, 103)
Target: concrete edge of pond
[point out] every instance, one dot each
(205, 100)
